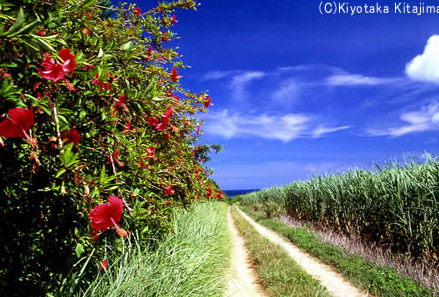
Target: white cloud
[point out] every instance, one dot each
(216, 74)
(240, 81)
(286, 127)
(287, 91)
(425, 67)
(425, 119)
(320, 130)
(232, 124)
(347, 79)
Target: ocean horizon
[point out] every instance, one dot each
(231, 193)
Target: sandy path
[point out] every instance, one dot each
(334, 282)
(243, 282)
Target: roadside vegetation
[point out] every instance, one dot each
(98, 138)
(278, 273)
(191, 260)
(375, 279)
(395, 206)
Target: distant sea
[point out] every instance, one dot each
(231, 193)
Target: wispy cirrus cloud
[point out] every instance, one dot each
(349, 79)
(288, 90)
(321, 130)
(425, 119)
(217, 74)
(241, 80)
(230, 124)
(286, 127)
(425, 67)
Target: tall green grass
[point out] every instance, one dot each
(396, 205)
(191, 261)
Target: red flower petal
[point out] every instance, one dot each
(174, 75)
(9, 130)
(153, 121)
(137, 11)
(207, 101)
(71, 136)
(168, 112)
(53, 72)
(103, 265)
(69, 60)
(173, 20)
(209, 193)
(19, 122)
(163, 124)
(168, 190)
(101, 216)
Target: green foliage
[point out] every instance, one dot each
(190, 261)
(396, 205)
(378, 280)
(50, 179)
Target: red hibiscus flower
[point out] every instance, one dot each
(4, 74)
(127, 128)
(18, 124)
(150, 153)
(169, 190)
(168, 112)
(209, 193)
(113, 157)
(153, 121)
(173, 20)
(55, 71)
(167, 136)
(68, 58)
(174, 75)
(165, 120)
(207, 101)
(148, 55)
(219, 194)
(137, 11)
(52, 70)
(163, 124)
(120, 103)
(71, 136)
(108, 214)
(103, 265)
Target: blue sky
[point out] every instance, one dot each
(298, 93)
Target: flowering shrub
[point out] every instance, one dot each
(95, 132)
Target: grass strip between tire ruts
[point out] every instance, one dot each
(279, 275)
(376, 280)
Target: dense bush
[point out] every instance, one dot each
(90, 109)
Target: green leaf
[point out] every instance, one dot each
(127, 46)
(79, 250)
(26, 29)
(18, 22)
(67, 157)
(60, 172)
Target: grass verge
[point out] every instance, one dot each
(191, 261)
(278, 273)
(377, 280)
